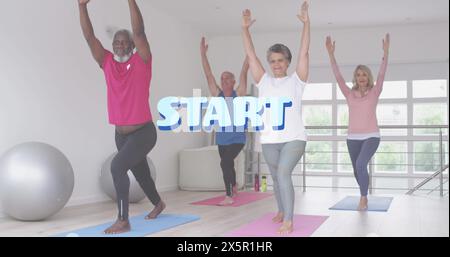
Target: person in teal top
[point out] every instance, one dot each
(230, 143)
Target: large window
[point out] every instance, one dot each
(391, 157)
(318, 157)
(430, 88)
(427, 156)
(342, 118)
(429, 114)
(394, 90)
(318, 115)
(318, 91)
(393, 114)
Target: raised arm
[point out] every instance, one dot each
(212, 84)
(303, 58)
(97, 50)
(242, 88)
(139, 36)
(256, 67)
(384, 63)
(331, 46)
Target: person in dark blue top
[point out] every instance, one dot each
(230, 143)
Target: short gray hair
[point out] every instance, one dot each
(124, 31)
(281, 49)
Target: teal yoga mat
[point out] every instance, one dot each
(376, 203)
(139, 226)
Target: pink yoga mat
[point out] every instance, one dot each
(304, 226)
(241, 199)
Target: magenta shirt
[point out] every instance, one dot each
(362, 110)
(128, 86)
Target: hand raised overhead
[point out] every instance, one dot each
(203, 46)
(247, 21)
(303, 14)
(331, 45)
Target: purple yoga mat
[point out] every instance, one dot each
(241, 199)
(304, 226)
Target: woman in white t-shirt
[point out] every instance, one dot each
(282, 149)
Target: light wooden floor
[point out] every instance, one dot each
(408, 216)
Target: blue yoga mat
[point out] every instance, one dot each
(139, 226)
(350, 203)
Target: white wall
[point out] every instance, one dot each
(53, 91)
(417, 51)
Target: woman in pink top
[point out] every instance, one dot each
(128, 77)
(363, 133)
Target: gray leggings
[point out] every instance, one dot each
(282, 159)
(133, 149)
(361, 151)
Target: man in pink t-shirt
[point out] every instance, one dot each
(128, 75)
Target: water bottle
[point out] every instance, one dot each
(256, 183)
(264, 184)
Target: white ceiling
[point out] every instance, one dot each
(217, 17)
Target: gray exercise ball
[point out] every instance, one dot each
(36, 181)
(107, 184)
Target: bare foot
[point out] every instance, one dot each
(363, 203)
(235, 190)
(121, 226)
(286, 228)
(227, 201)
(279, 218)
(156, 211)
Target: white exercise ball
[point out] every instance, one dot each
(107, 184)
(36, 181)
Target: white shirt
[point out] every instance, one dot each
(292, 87)
(363, 136)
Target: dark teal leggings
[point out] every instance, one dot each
(361, 151)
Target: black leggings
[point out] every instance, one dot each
(227, 155)
(133, 149)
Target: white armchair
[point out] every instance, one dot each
(200, 169)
